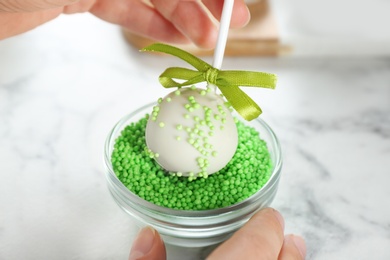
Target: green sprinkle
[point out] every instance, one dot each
(159, 100)
(203, 92)
(135, 166)
(177, 92)
(178, 138)
(179, 127)
(161, 124)
(169, 99)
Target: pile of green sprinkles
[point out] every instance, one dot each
(248, 171)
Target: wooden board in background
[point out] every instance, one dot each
(260, 37)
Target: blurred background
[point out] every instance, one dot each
(334, 27)
(307, 28)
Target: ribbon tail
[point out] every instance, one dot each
(191, 77)
(168, 82)
(241, 102)
(186, 56)
(247, 78)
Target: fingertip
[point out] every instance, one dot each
(241, 15)
(279, 217)
(273, 212)
(147, 246)
(294, 247)
(300, 244)
(261, 236)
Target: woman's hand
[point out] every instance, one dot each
(171, 21)
(262, 237)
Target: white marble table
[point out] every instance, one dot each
(64, 85)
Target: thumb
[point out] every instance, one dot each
(147, 246)
(260, 238)
(13, 6)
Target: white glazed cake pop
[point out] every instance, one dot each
(192, 132)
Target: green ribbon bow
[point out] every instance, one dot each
(228, 81)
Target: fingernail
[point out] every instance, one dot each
(300, 244)
(249, 15)
(143, 243)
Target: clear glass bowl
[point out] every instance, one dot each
(192, 228)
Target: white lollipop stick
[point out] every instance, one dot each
(222, 35)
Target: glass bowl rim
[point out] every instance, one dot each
(135, 199)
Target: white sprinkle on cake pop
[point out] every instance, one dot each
(192, 132)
